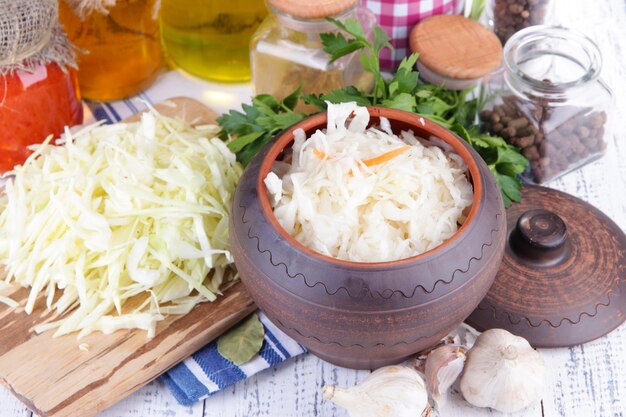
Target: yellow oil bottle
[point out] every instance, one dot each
(210, 38)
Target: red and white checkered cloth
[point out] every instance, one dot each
(397, 18)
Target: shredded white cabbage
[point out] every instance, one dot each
(365, 195)
(119, 212)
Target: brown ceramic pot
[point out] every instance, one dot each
(366, 315)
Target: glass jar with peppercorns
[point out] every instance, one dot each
(549, 101)
(506, 17)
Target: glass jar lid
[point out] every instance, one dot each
(312, 9)
(551, 59)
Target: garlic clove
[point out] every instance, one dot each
(391, 391)
(466, 335)
(503, 372)
(443, 367)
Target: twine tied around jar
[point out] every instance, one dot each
(85, 8)
(30, 35)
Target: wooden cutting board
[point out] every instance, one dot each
(55, 378)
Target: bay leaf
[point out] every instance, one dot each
(241, 343)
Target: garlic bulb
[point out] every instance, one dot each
(392, 391)
(503, 371)
(443, 367)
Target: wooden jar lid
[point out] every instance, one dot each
(312, 9)
(456, 47)
(562, 281)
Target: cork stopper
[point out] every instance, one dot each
(456, 47)
(312, 9)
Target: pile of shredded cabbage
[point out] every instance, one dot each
(126, 211)
(364, 195)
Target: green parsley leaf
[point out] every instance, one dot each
(462, 132)
(512, 156)
(433, 105)
(437, 119)
(351, 26)
(510, 188)
(315, 100)
(277, 122)
(236, 123)
(381, 40)
(265, 104)
(345, 95)
(402, 101)
(354, 28)
(507, 168)
(489, 141)
(504, 161)
(408, 63)
(241, 141)
(338, 46)
(248, 152)
(405, 80)
(291, 101)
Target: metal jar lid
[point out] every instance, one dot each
(562, 281)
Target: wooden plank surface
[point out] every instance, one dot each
(54, 378)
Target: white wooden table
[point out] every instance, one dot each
(585, 381)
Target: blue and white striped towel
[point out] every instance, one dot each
(207, 372)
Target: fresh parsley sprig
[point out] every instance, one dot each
(338, 46)
(258, 123)
(504, 161)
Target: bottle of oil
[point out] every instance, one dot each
(121, 51)
(210, 38)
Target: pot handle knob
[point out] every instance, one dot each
(540, 237)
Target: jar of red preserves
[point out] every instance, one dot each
(38, 84)
(35, 105)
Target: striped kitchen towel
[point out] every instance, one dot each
(207, 372)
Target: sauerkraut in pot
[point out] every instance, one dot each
(365, 194)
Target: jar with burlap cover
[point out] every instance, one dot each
(38, 85)
(30, 35)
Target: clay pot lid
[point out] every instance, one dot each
(562, 281)
(312, 9)
(456, 47)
